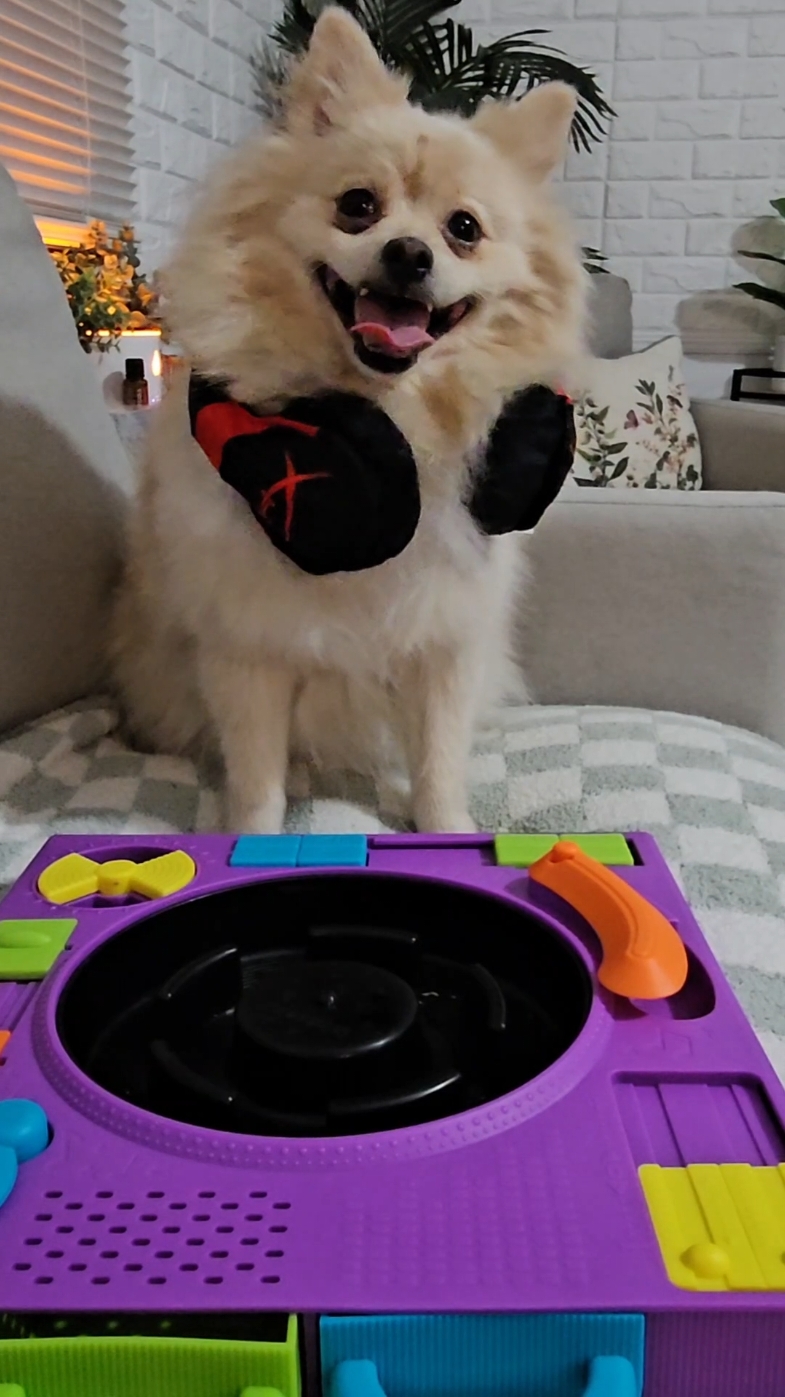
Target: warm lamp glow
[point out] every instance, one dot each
(56, 233)
(155, 364)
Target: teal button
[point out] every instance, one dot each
(333, 851)
(265, 851)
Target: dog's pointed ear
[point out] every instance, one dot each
(532, 133)
(340, 74)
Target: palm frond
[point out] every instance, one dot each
(270, 68)
(388, 23)
(449, 70)
(398, 19)
(295, 26)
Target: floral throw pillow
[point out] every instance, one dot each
(634, 425)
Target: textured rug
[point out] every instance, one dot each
(714, 796)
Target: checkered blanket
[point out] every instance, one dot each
(713, 795)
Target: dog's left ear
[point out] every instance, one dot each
(340, 74)
(532, 133)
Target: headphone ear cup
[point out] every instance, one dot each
(528, 457)
(332, 481)
(375, 474)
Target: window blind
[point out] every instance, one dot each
(64, 108)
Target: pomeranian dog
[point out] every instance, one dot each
(358, 210)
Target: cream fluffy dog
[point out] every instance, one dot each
(218, 635)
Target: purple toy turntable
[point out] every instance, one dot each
(334, 1076)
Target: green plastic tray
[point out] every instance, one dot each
(122, 1366)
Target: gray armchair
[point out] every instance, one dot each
(665, 599)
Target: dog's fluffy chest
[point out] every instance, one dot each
(225, 574)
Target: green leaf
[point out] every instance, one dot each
(619, 468)
(404, 16)
(658, 401)
(594, 260)
(294, 28)
(762, 293)
(779, 205)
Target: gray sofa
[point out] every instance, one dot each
(65, 484)
(664, 599)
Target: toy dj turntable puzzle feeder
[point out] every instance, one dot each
(396, 1116)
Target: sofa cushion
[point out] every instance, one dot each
(634, 422)
(713, 795)
(63, 480)
(742, 444)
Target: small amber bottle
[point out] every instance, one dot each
(135, 390)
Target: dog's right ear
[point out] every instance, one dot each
(340, 74)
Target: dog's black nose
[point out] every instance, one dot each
(407, 260)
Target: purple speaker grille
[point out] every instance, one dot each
(154, 1238)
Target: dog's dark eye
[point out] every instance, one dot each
(357, 210)
(463, 228)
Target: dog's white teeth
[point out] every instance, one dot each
(364, 291)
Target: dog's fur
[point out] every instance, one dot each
(216, 632)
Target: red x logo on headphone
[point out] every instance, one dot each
(217, 423)
(288, 484)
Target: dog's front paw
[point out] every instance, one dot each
(264, 817)
(430, 821)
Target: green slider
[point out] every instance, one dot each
(522, 850)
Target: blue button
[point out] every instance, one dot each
(612, 1377)
(333, 851)
(266, 851)
(8, 1171)
(23, 1128)
(355, 1377)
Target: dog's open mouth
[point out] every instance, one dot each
(389, 332)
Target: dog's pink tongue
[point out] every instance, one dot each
(400, 330)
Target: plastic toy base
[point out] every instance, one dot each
(489, 1240)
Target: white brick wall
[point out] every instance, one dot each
(697, 147)
(192, 99)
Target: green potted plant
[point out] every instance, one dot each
(114, 305)
(106, 292)
(449, 69)
(773, 292)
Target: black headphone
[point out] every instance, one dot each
(333, 482)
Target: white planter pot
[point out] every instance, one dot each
(109, 365)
